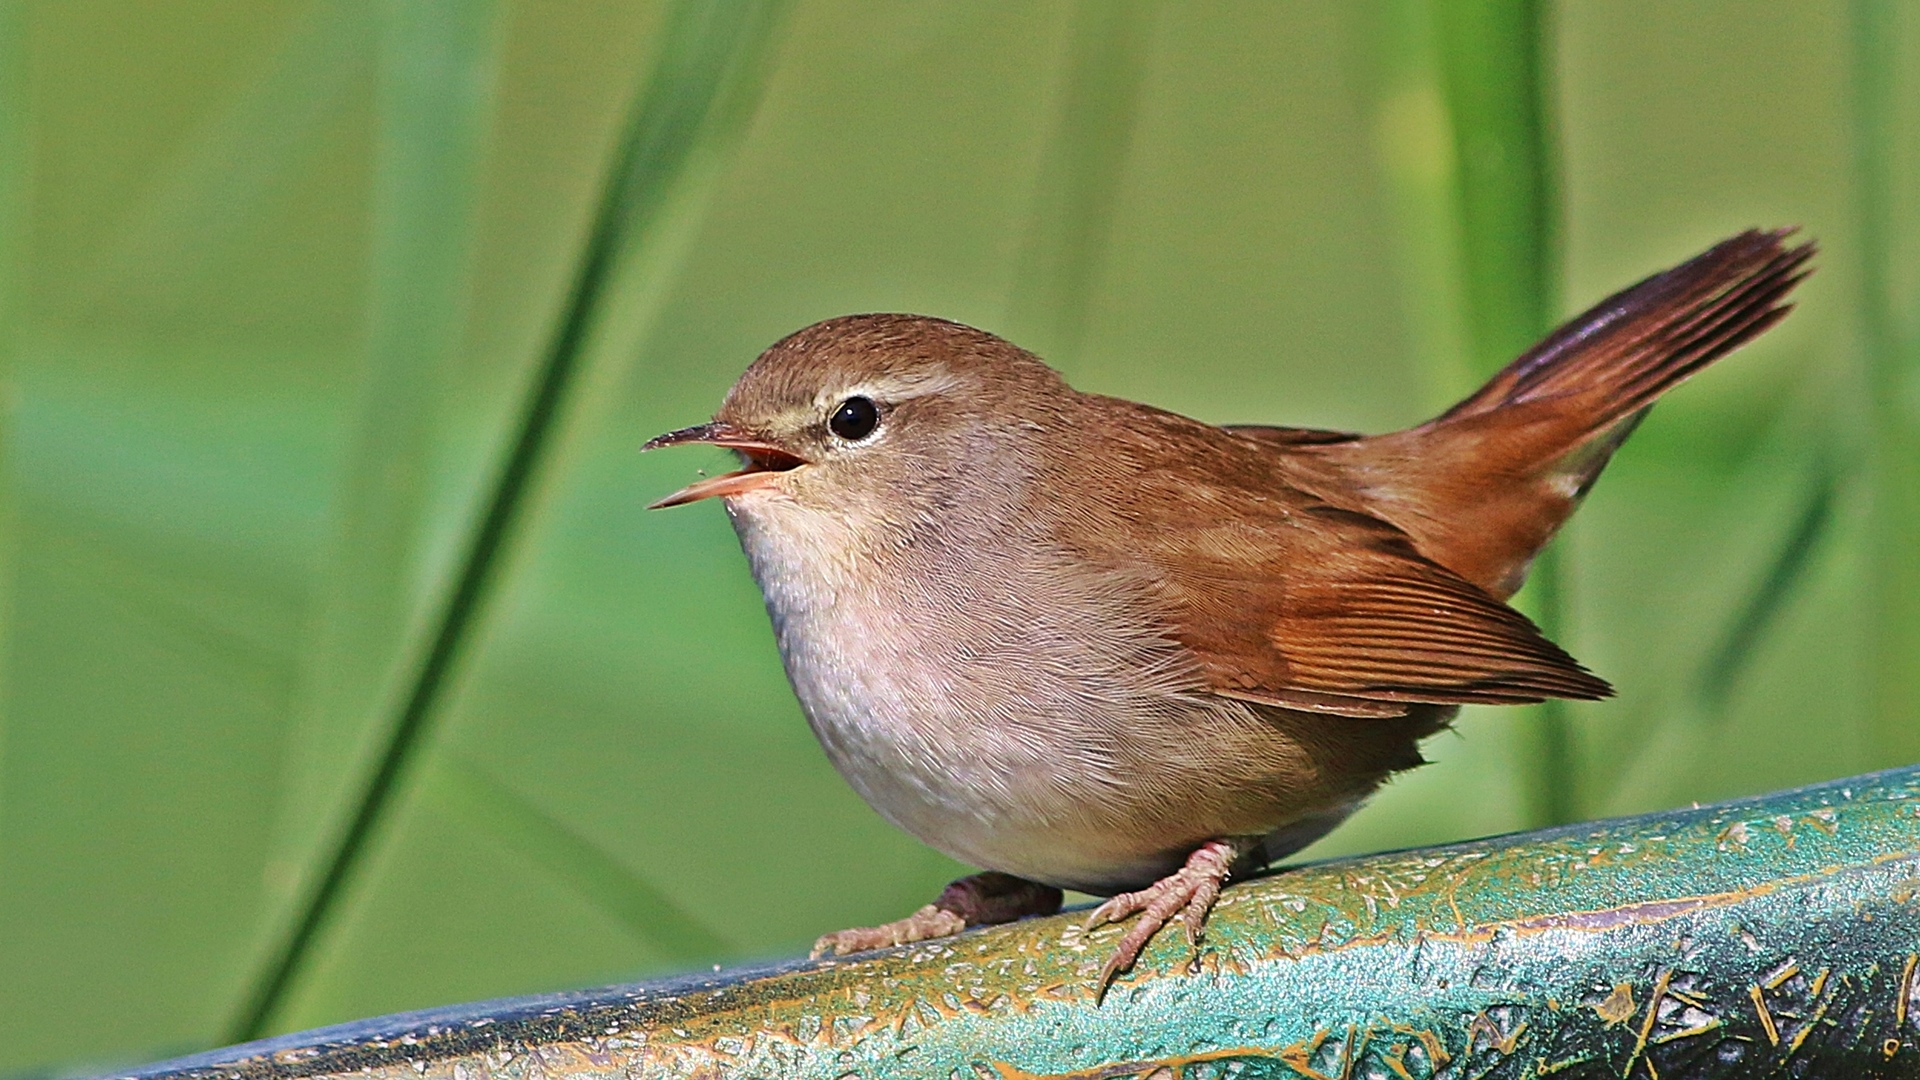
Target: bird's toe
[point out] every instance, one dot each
(923, 925)
(1189, 892)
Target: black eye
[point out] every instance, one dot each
(855, 419)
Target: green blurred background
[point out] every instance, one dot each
(344, 672)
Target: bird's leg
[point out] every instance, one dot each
(1189, 891)
(977, 900)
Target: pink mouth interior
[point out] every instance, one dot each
(766, 459)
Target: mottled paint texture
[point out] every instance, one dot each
(1771, 936)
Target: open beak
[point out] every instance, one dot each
(764, 461)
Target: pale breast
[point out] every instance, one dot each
(1011, 710)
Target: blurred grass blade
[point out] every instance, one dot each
(434, 102)
(1413, 145)
(1495, 70)
(646, 912)
(201, 207)
(1494, 64)
(1079, 178)
(1886, 55)
(14, 165)
(1785, 573)
(702, 51)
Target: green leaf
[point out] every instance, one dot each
(380, 630)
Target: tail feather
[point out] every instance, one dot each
(1642, 341)
(1481, 488)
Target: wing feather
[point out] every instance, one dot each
(1285, 599)
(1362, 615)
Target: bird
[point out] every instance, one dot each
(1087, 644)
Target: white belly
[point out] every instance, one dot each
(1038, 728)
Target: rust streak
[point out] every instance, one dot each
(1597, 920)
(1694, 1000)
(1806, 1029)
(1618, 1007)
(1646, 1027)
(1322, 947)
(1687, 1033)
(1603, 919)
(1641, 914)
(1177, 1065)
(1512, 1041)
(1435, 1046)
(1482, 1024)
(1396, 1061)
(1906, 991)
(1766, 1018)
(1299, 1056)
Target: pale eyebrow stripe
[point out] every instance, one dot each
(893, 388)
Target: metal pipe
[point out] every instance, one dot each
(1768, 936)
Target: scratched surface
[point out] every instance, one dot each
(1764, 937)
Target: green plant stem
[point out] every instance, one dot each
(434, 101)
(706, 48)
(15, 145)
(1886, 105)
(1079, 177)
(1495, 64)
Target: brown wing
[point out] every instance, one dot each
(1281, 551)
(1356, 622)
(1285, 599)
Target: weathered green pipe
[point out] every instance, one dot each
(1770, 936)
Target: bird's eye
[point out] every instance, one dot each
(855, 419)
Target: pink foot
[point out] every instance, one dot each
(1189, 891)
(978, 900)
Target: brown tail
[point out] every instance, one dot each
(1646, 339)
(1485, 485)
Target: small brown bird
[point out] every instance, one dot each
(1089, 644)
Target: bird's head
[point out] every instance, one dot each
(873, 415)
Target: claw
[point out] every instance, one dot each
(979, 900)
(1189, 891)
